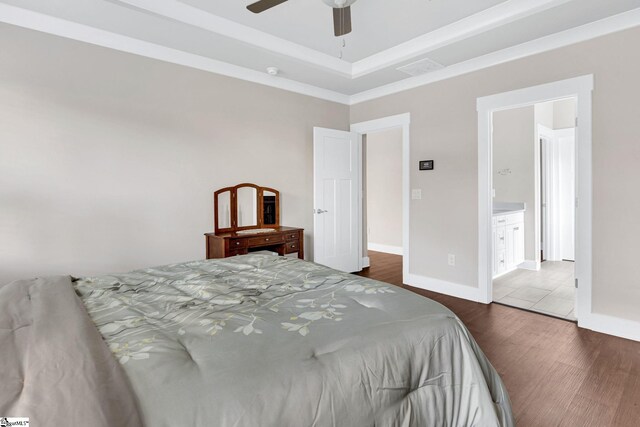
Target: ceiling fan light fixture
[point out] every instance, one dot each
(341, 12)
(273, 71)
(339, 4)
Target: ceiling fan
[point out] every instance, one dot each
(341, 12)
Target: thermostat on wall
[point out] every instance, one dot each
(426, 165)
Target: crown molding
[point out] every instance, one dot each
(582, 33)
(478, 23)
(72, 30)
(187, 14)
(485, 20)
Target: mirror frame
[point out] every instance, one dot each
(234, 208)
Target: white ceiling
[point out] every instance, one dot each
(375, 22)
(297, 36)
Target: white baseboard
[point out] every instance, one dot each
(365, 262)
(610, 325)
(503, 273)
(387, 249)
(602, 323)
(530, 265)
(444, 287)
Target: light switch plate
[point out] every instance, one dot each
(416, 194)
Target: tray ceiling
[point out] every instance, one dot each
(297, 36)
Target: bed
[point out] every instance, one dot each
(253, 340)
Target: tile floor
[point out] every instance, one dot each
(550, 291)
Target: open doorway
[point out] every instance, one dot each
(382, 196)
(534, 183)
(581, 89)
(384, 213)
(338, 194)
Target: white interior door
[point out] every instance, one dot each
(551, 207)
(567, 147)
(336, 197)
(544, 219)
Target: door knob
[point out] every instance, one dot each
(320, 211)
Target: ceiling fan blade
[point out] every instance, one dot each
(342, 21)
(262, 5)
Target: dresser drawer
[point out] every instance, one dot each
(292, 247)
(266, 240)
(500, 221)
(234, 252)
(292, 236)
(515, 218)
(237, 243)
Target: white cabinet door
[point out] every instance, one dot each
(499, 245)
(518, 244)
(514, 245)
(508, 242)
(510, 258)
(495, 253)
(500, 262)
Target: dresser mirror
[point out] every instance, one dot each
(270, 203)
(247, 206)
(223, 210)
(244, 207)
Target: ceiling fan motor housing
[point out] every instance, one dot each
(339, 4)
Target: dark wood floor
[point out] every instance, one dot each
(556, 373)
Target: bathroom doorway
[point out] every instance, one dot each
(533, 199)
(580, 89)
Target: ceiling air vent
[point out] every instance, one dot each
(422, 66)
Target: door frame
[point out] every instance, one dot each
(581, 88)
(547, 186)
(397, 121)
(541, 243)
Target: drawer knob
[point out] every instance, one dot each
(238, 243)
(266, 240)
(293, 246)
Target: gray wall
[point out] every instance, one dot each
(564, 114)
(108, 161)
(444, 128)
(384, 187)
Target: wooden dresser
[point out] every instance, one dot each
(283, 240)
(247, 219)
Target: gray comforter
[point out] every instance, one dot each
(55, 369)
(260, 340)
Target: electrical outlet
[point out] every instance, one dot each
(452, 260)
(416, 194)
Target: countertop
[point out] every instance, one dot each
(507, 208)
(497, 212)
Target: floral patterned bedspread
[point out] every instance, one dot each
(276, 341)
